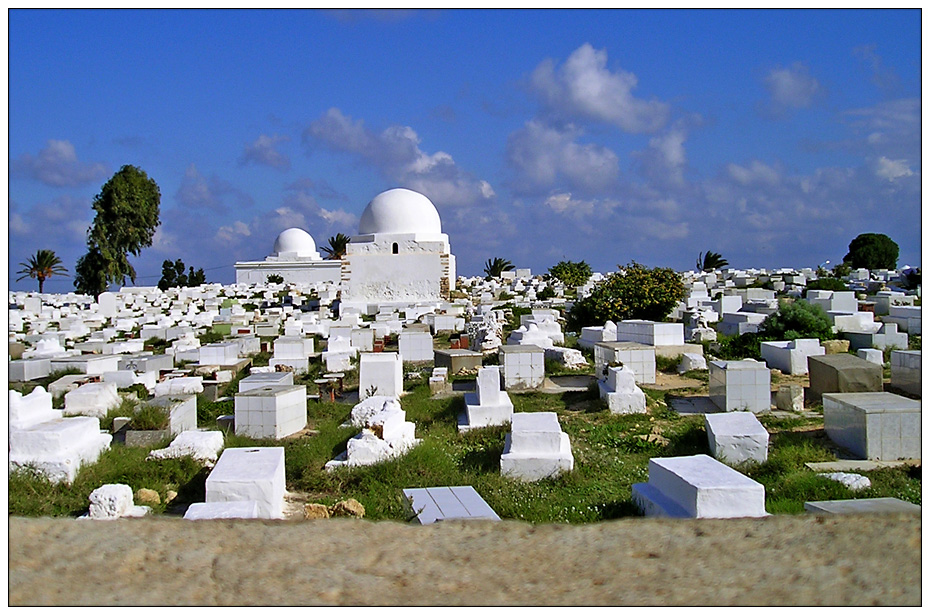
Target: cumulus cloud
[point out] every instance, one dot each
(583, 87)
(543, 157)
(57, 165)
(756, 173)
(262, 151)
(892, 169)
(791, 88)
(664, 161)
(199, 192)
(890, 128)
(395, 152)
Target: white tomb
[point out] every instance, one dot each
(488, 405)
(905, 371)
(699, 487)
(386, 433)
(415, 346)
(92, 399)
(270, 378)
(790, 357)
(221, 353)
(536, 447)
(271, 411)
(23, 370)
(523, 366)
(201, 445)
(620, 390)
(740, 385)
(736, 437)
(179, 386)
(874, 425)
(55, 446)
(380, 373)
(250, 475)
(640, 358)
(651, 333)
(199, 511)
(691, 361)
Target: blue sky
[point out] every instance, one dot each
(773, 137)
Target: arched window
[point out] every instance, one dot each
(395, 248)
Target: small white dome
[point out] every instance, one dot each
(295, 241)
(400, 211)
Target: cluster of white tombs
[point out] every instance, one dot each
(399, 269)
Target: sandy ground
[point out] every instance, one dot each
(780, 560)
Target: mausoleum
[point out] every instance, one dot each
(294, 257)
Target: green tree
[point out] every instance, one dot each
(496, 266)
(41, 266)
(710, 261)
(571, 273)
(872, 251)
(826, 283)
(126, 217)
(636, 292)
(337, 247)
(173, 276)
(796, 320)
(274, 278)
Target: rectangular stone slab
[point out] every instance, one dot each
(864, 506)
(439, 503)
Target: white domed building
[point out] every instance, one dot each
(400, 255)
(295, 258)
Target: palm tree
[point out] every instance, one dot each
(711, 261)
(337, 247)
(43, 265)
(495, 267)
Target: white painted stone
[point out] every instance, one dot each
(698, 487)
(92, 399)
(872, 355)
(385, 434)
(180, 386)
(691, 361)
(488, 405)
(271, 411)
(536, 447)
(790, 357)
(380, 373)
(620, 391)
(110, 501)
(415, 346)
(740, 385)
(223, 510)
(736, 437)
(250, 475)
(24, 370)
(855, 482)
(30, 410)
(201, 445)
(523, 366)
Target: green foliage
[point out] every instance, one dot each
(826, 283)
(274, 278)
(637, 292)
(710, 261)
(148, 416)
(668, 365)
(496, 266)
(41, 266)
(795, 320)
(571, 273)
(210, 337)
(173, 276)
(910, 280)
(841, 270)
(736, 347)
(547, 293)
(337, 247)
(872, 251)
(127, 216)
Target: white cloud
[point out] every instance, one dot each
(197, 192)
(664, 161)
(792, 87)
(57, 165)
(262, 151)
(892, 169)
(564, 203)
(18, 225)
(543, 157)
(583, 87)
(233, 233)
(756, 173)
(395, 152)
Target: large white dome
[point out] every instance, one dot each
(400, 211)
(295, 241)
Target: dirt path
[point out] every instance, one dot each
(781, 560)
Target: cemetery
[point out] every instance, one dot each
(383, 378)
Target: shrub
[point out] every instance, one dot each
(826, 284)
(795, 320)
(636, 292)
(149, 417)
(571, 273)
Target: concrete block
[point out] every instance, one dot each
(250, 475)
(874, 425)
(842, 373)
(736, 437)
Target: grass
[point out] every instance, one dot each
(611, 453)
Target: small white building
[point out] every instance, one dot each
(400, 255)
(294, 257)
